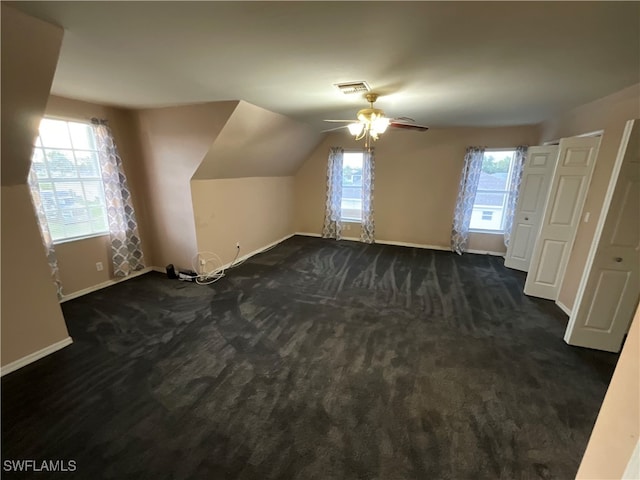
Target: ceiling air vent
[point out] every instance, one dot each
(352, 87)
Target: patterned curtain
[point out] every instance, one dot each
(126, 249)
(38, 208)
(514, 187)
(333, 208)
(466, 198)
(368, 167)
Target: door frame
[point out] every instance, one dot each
(606, 204)
(595, 133)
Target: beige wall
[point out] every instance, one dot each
(416, 182)
(174, 141)
(609, 114)
(31, 316)
(77, 259)
(211, 142)
(77, 263)
(252, 211)
(30, 49)
(617, 428)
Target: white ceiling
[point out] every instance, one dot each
(442, 63)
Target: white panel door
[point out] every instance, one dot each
(608, 294)
(534, 189)
(569, 185)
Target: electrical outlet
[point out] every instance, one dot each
(99, 266)
(347, 226)
(203, 262)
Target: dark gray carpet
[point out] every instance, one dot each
(315, 360)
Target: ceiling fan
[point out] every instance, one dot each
(371, 122)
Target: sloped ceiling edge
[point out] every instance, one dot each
(256, 142)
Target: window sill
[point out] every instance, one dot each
(350, 220)
(84, 237)
(488, 232)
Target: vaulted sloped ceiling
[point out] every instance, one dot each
(257, 143)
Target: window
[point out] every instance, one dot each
(351, 205)
(489, 207)
(65, 160)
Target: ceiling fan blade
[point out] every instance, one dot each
(403, 120)
(341, 121)
(408, 126)
(334, 129)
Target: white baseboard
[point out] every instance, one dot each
(563, 307)
(258, 250)
(106, 284)
(309, 234)
(408, 244)
(486, 252)
(414, 245)
(109, 283)
(244, 257)
(32, 357)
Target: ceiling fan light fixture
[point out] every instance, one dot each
(356, 128)
(380, 124)
(372, 122)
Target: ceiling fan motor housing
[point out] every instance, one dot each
(371, 97)
(370, 114)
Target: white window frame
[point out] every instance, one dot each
(342, 216)
(52, 180)
(505, 192)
